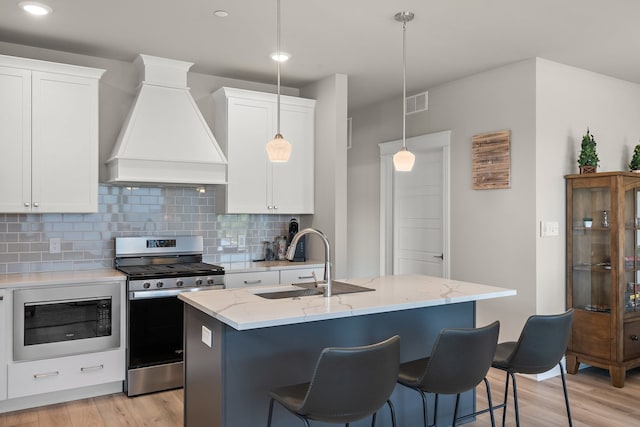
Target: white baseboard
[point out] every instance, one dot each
(60, 396)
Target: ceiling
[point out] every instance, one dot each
(448, 39)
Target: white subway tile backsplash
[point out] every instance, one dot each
(88, 239)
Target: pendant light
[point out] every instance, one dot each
(404, 159)
(278, 149)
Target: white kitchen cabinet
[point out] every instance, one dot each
(6, 326)
(257, 278)
(301, 275)
(244, 122)
(64, 373)
(49, 134)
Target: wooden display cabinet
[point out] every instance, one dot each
(603, 271)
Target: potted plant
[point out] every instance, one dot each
(588, 159)
(634, 164)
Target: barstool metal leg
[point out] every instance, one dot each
(270, 413)
(506, 396)
(455, 410)
(486, 383)
(393, 413)
(566, 395)
(515, 398)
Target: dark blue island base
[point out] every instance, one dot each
(226, 385)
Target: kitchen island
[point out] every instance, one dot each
(239, 345)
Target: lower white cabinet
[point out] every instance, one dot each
(3, 344)
(63, 373)
(303, 275)
(258, 278)
(272, 277)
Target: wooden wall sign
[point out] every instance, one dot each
(491, 160)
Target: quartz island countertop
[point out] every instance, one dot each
(242, 309)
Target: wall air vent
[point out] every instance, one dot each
(417, 103)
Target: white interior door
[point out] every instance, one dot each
(415, 208)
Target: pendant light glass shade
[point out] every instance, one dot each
(278, 149)
(404, 159)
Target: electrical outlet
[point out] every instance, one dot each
(54, 245)
(206, 336)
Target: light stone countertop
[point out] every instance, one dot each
(242, 309)
(12, 280)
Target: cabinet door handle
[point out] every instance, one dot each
(1, 298)
(634, 337)
(252, 282)
(27, 204)
(46, 374)
(36, 204)
(91, 368)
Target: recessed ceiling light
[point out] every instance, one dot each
(280, 57)
(221, 13)
(35, 8)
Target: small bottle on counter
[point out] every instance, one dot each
(267, 250)
(281, 245)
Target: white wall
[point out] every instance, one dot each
(492, 231)
(568, 100)
(330, 215)
(495, 235)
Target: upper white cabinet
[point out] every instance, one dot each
(244, 122)
(48, 136)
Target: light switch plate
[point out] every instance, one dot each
(549, 228)
(206, 336)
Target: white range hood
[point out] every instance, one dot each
(165, 139)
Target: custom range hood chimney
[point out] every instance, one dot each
(165, 139)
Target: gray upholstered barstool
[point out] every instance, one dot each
(459, 361)
(348, 384)
(540, 347)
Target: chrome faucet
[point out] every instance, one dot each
(327, 254)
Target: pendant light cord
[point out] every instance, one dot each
(404, 83)
(278, 65)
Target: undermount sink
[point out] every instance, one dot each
(310, 289)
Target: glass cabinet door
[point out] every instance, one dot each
(592, 249)
(632, 250)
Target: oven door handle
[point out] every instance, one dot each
(162, 293)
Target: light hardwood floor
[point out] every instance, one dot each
(594, 403)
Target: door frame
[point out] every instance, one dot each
(414, 144)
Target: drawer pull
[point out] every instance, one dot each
(304, 277)
(91, 368)
(634, 337)
(46, 374)
(252, 282)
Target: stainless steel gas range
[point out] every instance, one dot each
(158, 269)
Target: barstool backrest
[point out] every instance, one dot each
(542, 343)
(460, 359)
(353, 382)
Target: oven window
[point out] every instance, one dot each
(66, 320)
(155, 331)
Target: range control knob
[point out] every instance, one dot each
(198, 282)
(159, 284)
(210, 282)
(179, 283)
(146, 285)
